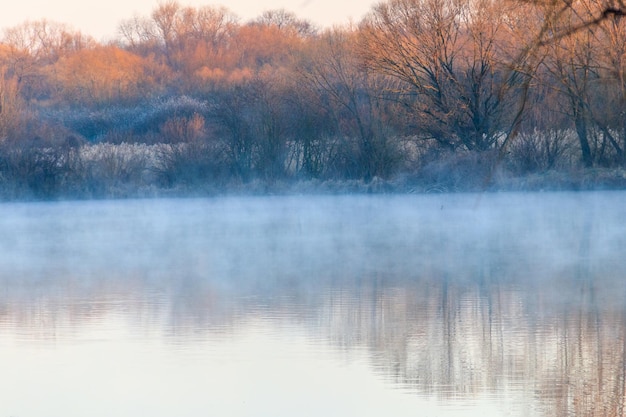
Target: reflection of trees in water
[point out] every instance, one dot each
(472, 307)
(557, 339)
(559, 343)
(186, 308)
(504, 314)
(49, 309)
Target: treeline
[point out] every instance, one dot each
(421, 94)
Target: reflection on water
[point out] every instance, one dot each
(371, 306)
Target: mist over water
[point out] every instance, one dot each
(503, 304)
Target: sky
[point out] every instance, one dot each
(100, 19)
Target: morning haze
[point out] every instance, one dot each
(418, 213)
(257, 305)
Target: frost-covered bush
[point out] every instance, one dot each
(158, 112)
(108, 164)
(359, 159)
(93, 124)
(140, 122)
(460, 171)
(541, 151)
(36, 169)
(192, 164)
(39, 170)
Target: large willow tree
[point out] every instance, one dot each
(454, 59)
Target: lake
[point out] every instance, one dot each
(426, 305)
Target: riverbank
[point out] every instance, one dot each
(574, 180)
(105, 170)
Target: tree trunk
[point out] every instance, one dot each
(581, 130)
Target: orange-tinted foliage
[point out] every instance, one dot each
(255, 46)
(102, 74)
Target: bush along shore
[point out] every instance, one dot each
(76, 170)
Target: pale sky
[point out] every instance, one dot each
(100, 18)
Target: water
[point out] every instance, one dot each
(446, 305)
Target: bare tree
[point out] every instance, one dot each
(32, 46)
(571, 63)
(353, 94)
(452, 59)
(585, 55)
(186, 38)
(589, 14)
(609, 110)
(287, 21)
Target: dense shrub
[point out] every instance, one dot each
(125, 166)
(471, 171)
(157, 113)
(36, 169)
(541, 151)
(145, 121)
(196, 164)
(93, 124)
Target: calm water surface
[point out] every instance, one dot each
(447, 305)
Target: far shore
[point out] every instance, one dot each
(552, 181)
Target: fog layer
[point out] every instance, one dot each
(513, 297)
